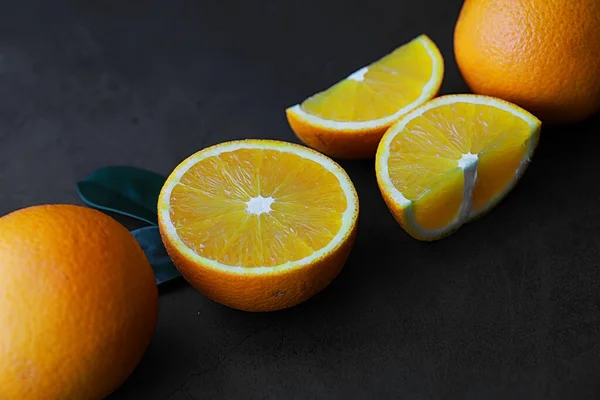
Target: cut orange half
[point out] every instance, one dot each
(348, 119)
(258, 225)
(453, 159)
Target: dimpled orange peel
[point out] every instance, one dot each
(543, 55)
(78, 304)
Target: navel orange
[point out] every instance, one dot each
(452, 160)
(543, 55)
(348, 119)
(258, 225)
(78, 304)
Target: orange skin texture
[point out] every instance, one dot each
(543, 55)
(348, 145)
(344, 145)
(78, 304)
(265, 292)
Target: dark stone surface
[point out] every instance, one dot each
(506, 308)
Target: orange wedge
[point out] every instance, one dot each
(453, 159)
(258, 225)
(348, 119)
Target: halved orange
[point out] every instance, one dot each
(453, 159)
(348, 119)
(258, 225)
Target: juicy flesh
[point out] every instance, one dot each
(431, 157)
(257, 207)
(387, 86)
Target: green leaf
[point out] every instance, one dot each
(151, 242)
(124, 190)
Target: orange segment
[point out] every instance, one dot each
(452, 159)
(257, 210)
(441, 205)
(348, 119)
(378, 90)
(498, 166)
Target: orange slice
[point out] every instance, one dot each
(258, 225)
(348, 119)
(453, 159)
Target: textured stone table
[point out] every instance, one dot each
(506, 308)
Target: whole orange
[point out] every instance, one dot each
(543, 55)
(78, 304)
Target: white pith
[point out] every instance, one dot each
(259, 205)
(468, 163)
(359, 75)
(428, 90)
(349, 216)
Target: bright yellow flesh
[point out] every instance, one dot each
(210, 211)
(441, 205)
(424, 158)
(389, 85)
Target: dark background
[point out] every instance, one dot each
(505, 308)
